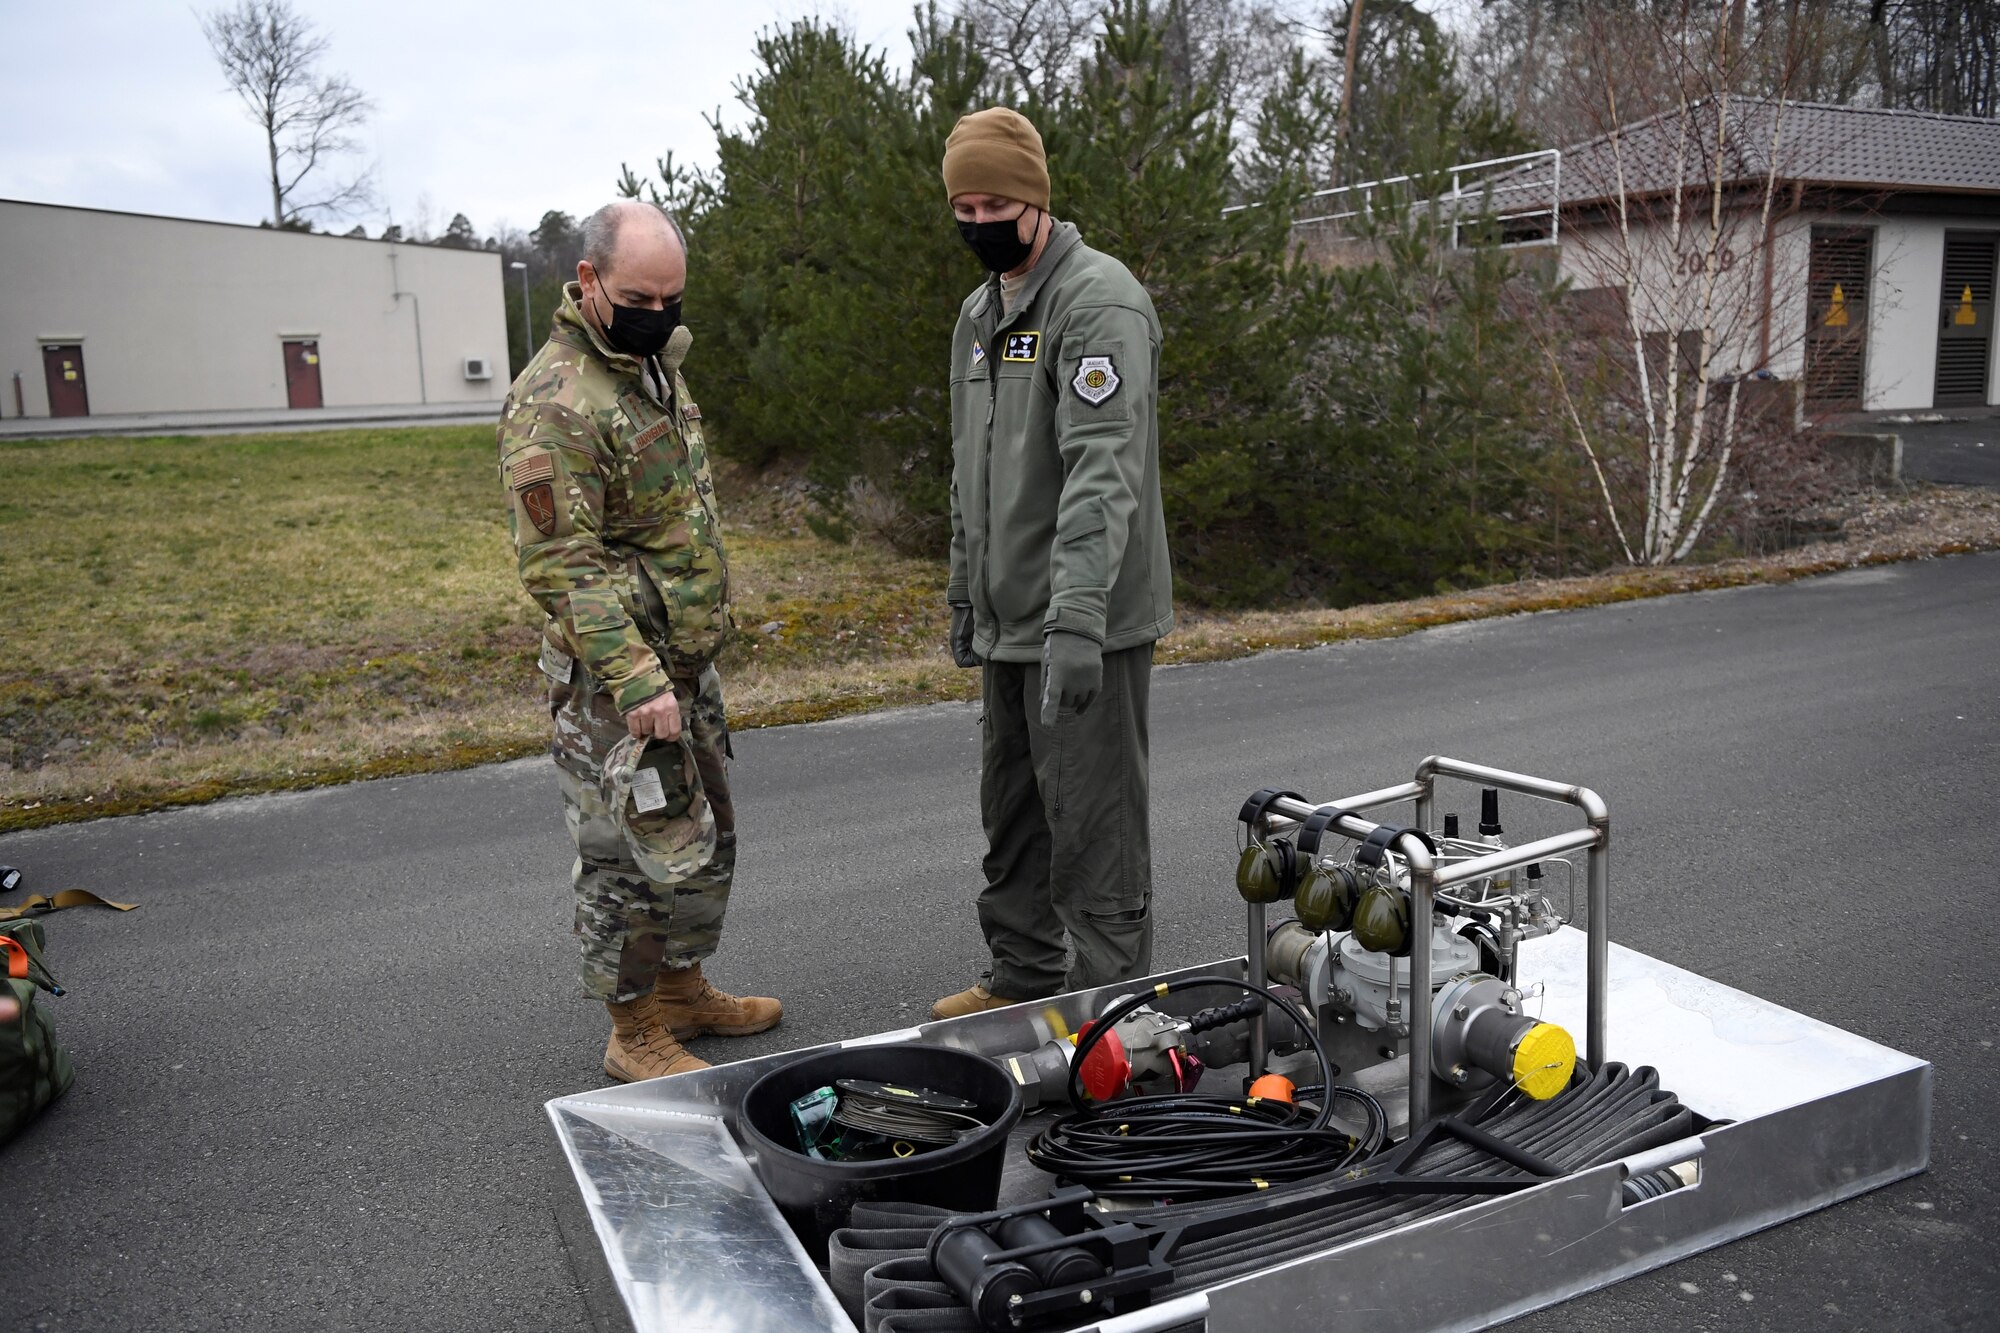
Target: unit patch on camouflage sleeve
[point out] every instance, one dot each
(1021, 347)
(1096, 379)
(534, 481)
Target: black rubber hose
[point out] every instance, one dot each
(1185, 1145)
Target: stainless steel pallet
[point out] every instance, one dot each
(1814, 1115)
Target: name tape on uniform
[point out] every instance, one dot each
(1022, 347)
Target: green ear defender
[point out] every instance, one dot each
(1256, 877)
(1327, 897)
(1382, 921)
(1267, 872)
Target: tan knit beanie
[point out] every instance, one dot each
(996, 151)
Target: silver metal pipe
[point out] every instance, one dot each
(1423, 906)
(1506, 858)
(1597, 982)
(1290, 813)
(1598, 974)
(1644, 1163)
(1285, 813)
(1437, 765)
(1179, 1310)
(1259, 1028)
(1369, 800)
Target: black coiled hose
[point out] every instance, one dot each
(1185, 1146)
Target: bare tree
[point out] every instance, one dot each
(1033, 45)
(1682, 223)
(270, 56)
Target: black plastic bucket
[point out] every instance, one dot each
(816, 1196)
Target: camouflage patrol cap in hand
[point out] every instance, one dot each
(658, 803)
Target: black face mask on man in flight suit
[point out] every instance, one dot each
(999, 244)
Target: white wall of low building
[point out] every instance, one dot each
(1907, 270)
(1666, 271)
(177, 315)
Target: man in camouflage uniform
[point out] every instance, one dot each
(614, 521)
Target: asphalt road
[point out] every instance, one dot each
(311, 1065)
(1955, 453)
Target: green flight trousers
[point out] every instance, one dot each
(1068, 845)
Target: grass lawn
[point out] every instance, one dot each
(195, 616)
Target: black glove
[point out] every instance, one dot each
(1072, 673)
(961, 635)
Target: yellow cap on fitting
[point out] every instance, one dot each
(1544, 1059)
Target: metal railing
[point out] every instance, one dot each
(1501, 190)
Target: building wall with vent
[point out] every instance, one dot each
(175, 315)
(1857, 306)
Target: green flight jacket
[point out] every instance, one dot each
(1056, 521)
(613, 514)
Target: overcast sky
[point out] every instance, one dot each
(500, 109)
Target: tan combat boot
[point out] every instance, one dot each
(641, 1047)
(690, 1006)
(974, 999)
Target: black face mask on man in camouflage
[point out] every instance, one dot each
(636, 330)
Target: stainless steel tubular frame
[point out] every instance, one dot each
(1426, 880)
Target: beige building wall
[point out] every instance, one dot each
(1907, 266)
(1665, 273)
(176, 315)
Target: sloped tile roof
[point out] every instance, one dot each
(1843, 146)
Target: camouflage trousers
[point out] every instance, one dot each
(651, 885)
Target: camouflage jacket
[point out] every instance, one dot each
(613, 513)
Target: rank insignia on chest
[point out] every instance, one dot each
(978, 352)
(1096, 379)
(1021, 347)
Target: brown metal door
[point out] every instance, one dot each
(62, 363)
(1965, 319)
(302, 372)
(1837, 271)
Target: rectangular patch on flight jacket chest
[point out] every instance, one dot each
(1021, 346)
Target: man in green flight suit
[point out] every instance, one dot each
(617, 537)
(1060, 582)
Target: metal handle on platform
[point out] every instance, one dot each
(1690, 1149)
